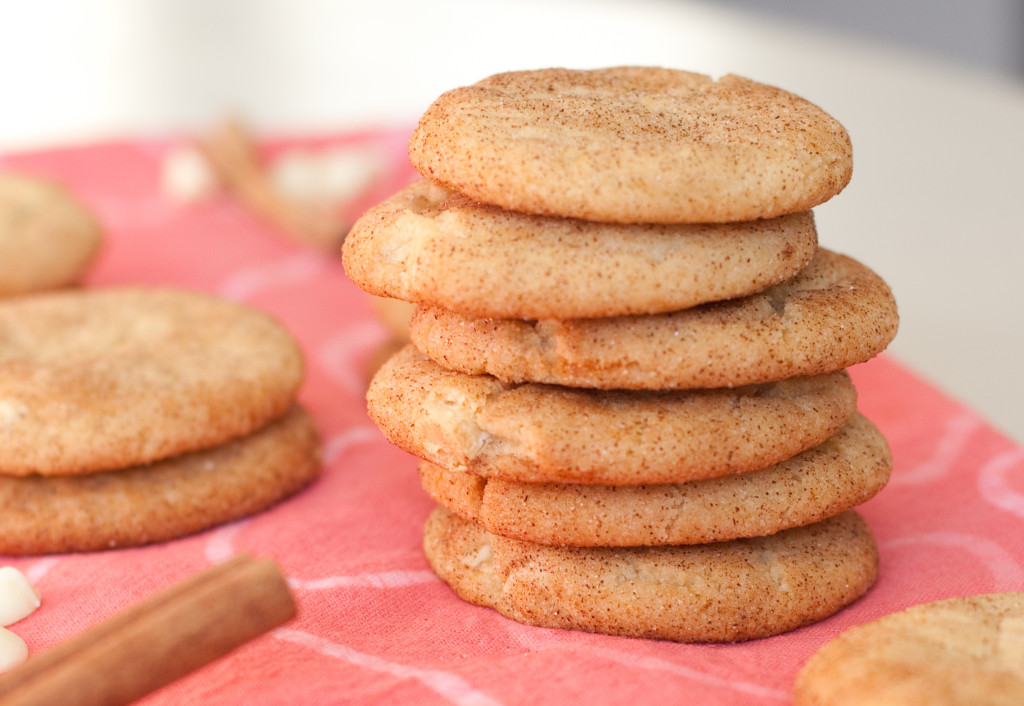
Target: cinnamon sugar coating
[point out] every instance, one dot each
(954, 652)
(93, 380)
(835, 313)
(431, 245)
(633, 145)
(160, 501)
(844, 471)
(720, 592)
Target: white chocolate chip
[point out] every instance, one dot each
(13, 650)
(187, 176)
(481, 557)
(18, 599)
(10, 412)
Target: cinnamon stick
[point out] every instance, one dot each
(158, 640)
(235, 160)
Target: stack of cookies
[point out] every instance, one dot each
(130, 416)
(627, 382)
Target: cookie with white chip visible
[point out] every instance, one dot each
(547, 433)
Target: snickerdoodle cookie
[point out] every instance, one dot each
(838, 474)
(548, 433)
(431, 245)
(954, 652)
(48, 238)
(163, 500)
(836, 312)
(718, 592)
(92, 380)
(633, 145)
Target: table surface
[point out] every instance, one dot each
(938, 147)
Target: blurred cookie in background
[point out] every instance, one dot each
(48, 239)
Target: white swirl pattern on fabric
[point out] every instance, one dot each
(993, 484)
(340, 443)
(337, 356)
(949, 444)
(1007, 574)
(444, 684)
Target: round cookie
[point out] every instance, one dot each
(720, 592)
(844, 471)
(633, 145)
(94, 380)
(955, 652)
(161, 501)
(47, 238)
(833, 314)
(546, 433)
(428, 244)
(549, 433)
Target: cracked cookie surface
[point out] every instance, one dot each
(719, 592)
(428, 244)
(954, 652)
(633, 144)
(844, 471)
(833, 314)
(97, 379)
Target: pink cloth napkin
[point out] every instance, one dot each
(375, 625)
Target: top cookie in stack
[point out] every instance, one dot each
(619, 285)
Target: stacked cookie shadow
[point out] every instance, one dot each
(627, 381)
(132, 415)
